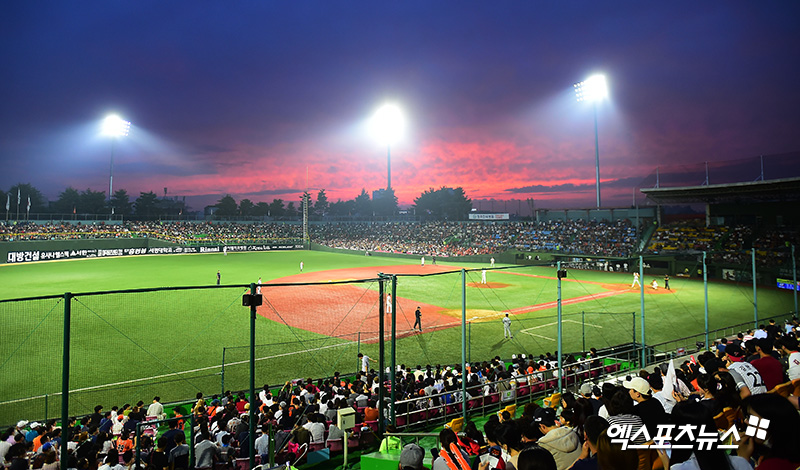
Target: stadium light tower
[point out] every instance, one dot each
(593, 89)
(388, 124)
(114, 127)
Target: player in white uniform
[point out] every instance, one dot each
(491, 262)
(365, 362)
(422, 261)
(301, 266)
(635, 280)
(507, 327)
(225, 250)
(389, 303)
(483, 276)
(258, 286)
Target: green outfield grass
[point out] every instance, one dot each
(139, 341)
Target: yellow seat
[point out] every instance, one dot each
(784, 389)
(456, 425)
(796, 387)
(512, 409)
(727, 418)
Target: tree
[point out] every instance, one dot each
(291, 211)
(67, 202)
(146, 204)
(246, 207)
(362, 204)
(386, 203)
(443, 204)
(227, 206)
(25, 191)
(276, 209)
(261, 209)
(121, 202)
(92, 202)
(342, 208)
(322, 205)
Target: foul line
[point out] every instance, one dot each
(527, 331)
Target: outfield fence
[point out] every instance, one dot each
(63, 355)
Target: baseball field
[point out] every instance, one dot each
(130, 346)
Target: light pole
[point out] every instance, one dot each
(114, 126)
(593, 89)
(388, 124)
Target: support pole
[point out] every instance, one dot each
(558, 322)
(583, 331)
(596, 155)
(252, 415)
(794, 280)
(381, 351)
(464, 344)
(394, 349)
(65, 428)
(641, 295)
(755, 292)
(705, 288)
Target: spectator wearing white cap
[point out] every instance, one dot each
(650, 410)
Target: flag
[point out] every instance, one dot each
(29, 203)
(18, 194)
(73, 209)
(8, 201)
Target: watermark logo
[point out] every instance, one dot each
(638, 437)
(757, 427)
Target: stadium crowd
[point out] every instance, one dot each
(425, 238)
(747, 376)
(728, 245)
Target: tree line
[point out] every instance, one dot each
(444, 203)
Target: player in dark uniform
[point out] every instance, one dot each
(418, 320)
(219, 277)
(666, 281)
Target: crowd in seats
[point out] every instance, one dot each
(743, 394)
(727, 245)
(755, 374)
(425, 238)
(686, 236)
(474, 238)
(175, 232)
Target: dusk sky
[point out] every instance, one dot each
(246, 97)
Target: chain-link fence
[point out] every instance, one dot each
(127, 346)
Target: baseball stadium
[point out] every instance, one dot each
(399, 235)
(160, 307)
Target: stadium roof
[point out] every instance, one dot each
(787, 189)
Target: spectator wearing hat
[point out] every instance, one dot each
(562, 442)
(35, 428)
(411, 457)
(587, 391)
(650, 410)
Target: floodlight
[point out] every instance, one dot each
(115, 126)
(593, 88)
(388, 123)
